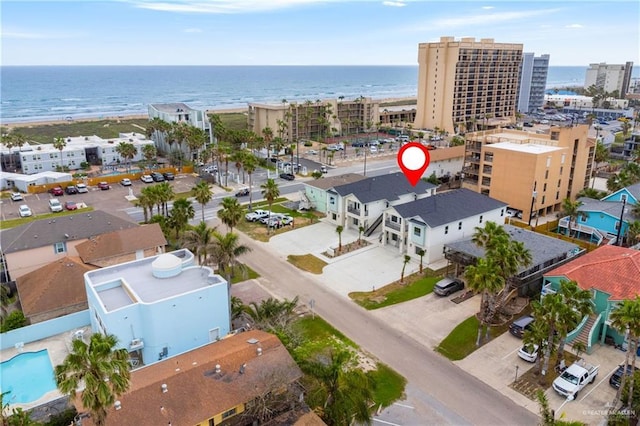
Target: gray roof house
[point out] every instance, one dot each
(362, 203)
(428, 224)
(546, 253)
(30, 246)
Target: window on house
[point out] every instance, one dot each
(355, 221)
(459, 226)
(228, 413)
(623, 197)
(211, 422)
(617, 225)
(446, 230)
(544, 188)
(395, 219)
(543, 200)
(332, 200)
(418, 249)
(501, 212)
(417, 231)
(583, 217)
(60, 247)
(546, 174)
(333, 216)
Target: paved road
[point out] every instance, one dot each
(442, 392)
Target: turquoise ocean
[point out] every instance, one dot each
(39, 93)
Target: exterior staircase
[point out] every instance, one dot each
(370, 230)
(584, 332)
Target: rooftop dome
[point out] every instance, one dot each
(166, 265)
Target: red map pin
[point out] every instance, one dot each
(413, 159)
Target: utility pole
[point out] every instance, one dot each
(618, 239)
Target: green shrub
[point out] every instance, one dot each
(13, 321)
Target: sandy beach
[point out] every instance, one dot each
(146, 116)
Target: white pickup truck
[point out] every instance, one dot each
(574, 378)
(256, 215)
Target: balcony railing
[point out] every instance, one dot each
(576, 227)
(353, 210)
(392, 225)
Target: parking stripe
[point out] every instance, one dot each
(598, 384)
(386, 423)
(511, 353)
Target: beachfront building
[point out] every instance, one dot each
(159, 306)
(531, 172)
(467, 84)
(533, 82)
(179, 112)
(609, 78)
(20, 182)
(427, 224)
(296, 121)
(397, 116)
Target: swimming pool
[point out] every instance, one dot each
(28, 376)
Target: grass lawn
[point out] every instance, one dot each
(234, 120)
(106, 129)
(415, 286)
(238, 275)
(265, 205)
(316, 329)
(462, 339)
(307, 262)
(259, 232)
(11, 223)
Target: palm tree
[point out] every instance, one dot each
(180, 215)
(572, 210)
(59, 144)
(198, 240)
(483, 278)
(127, 151)
(231, 212)
(202, 193)
(250, 166)
(633, 230)
(146, 203)
(578, 304)
(272, 315)
(343, 391)
(339, 230)
(270, 192)
(164, 193)
(625, 318)
(536, 334)
(420, 252)
(361, 230)
(406, 260)
(149, 153)
(103, 369)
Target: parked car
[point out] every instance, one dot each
(324, 169)
(70, 205)
(373, 149)
(57, 191)
(169, 176)
(286, 220)
(447, 286)
(287, 176)
(125, 182)
(104, 186)
(518, 327)
(16, 196)
(312, 152)
(242, 192)
(157, 177)
(528, 352)
(146, 179)
(256, 215)
(274, 222)
(71, 189)
(24, 211)
(616, 377)
(82, 188)
(54, 205)
(211, 168)
(271, 216)
(575, 378)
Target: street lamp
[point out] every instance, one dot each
(533, 200)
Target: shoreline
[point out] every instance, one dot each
(62, 120)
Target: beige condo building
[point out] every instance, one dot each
(466, 85)
(531, 172)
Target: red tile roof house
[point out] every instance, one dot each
(204, 386)
(612, 274)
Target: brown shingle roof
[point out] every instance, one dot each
(330, 182)
(44, 232)
(195, 392)
(120, 242)
(612, 269)
(53, 286)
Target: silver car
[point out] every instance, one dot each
(24, 211)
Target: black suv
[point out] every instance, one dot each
(616, 377)
(157, 177)
(168, 176)
(287, 176)
(518, 327)
(71, 189)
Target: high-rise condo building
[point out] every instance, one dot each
(609, 77)
(533, 82)
(464, 85)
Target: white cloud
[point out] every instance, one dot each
(394, 3)
(489, 18)
(574, 26)
(220, 6)
(488, 7)
(25, 35)
(192, 30)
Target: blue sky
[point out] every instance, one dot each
(306, 32)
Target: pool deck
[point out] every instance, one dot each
(58, 347)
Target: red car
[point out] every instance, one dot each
(57, 191)
(70, 205)
(104, 186)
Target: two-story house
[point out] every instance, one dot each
(159, 306)
(612, 275)
(361, 203)
(40, 242)
(428, 223)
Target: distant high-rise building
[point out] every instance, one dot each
(466, 84)
(533, 82)
(609, 77)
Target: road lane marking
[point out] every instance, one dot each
(386, 423)
(403, 405)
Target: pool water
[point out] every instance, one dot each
(28, 376)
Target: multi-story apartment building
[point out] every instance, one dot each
(533, 82)
(609, 77)
(466, 84)
(293, 121)
(531, 172)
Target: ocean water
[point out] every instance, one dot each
(41, 93)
